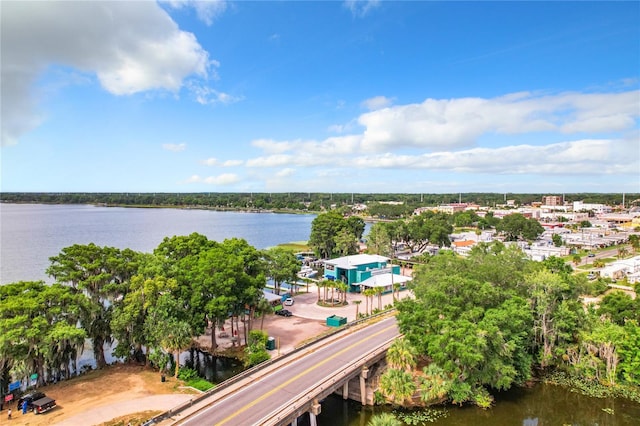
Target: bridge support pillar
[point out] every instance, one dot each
(345, 390)
(315, 410)
(364, 374)
(294, 422)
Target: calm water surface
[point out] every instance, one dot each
(31, 233)
(542, 405)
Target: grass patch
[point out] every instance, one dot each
(295, 246)
(200, 384)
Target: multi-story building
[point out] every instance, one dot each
(552, 200)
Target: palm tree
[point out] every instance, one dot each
(378, 291)
(177, 338)
(401, 355)
(343, 287)
(397, 385)
(333, 287)
(396, 288)
(622, 252)
(326, 285)
(357, 303)
(263, 308)
(435, 385)
(369, 293)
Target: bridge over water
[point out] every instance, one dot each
(294, 385)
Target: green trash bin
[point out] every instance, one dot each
(271, 344)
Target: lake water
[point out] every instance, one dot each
(31, 233)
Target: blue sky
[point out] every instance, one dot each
(355, 96)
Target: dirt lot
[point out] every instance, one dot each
(118, 387)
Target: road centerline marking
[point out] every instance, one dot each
(297, 376)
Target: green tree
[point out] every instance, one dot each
(256, 350)
(166, 329)
(345, 243)
(557, 265)
(557, 240)
(102, 274)
(619, 307)
(478, 332)
(324, 229)
(397, 385)
(38, 329)
(281, 266)
(356, 225)
(401, 355)
(434, 384)
(558, 314)
(357, 303)
(516, 227)
(576, 259)
(629, 351)
(129, 317)
(602, 344)
(634, 240)
(379, 240)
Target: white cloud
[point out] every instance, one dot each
(206, 95)
(206, 10)
(273, 147)
(228, 163)
(130, 46)
(587, 156)
(377, 102)
(288, 172)
(210, 162)
(174, 147)
(444, 135)
(438, 124)
(223, 179)
(360, 8)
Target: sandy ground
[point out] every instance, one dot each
(121, 390)
(108, 389)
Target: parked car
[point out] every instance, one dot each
(29, 397)
(284, 312)
(37, 402)
(43, 404)
(592, 255)
(288, 302)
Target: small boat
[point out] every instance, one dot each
(307, 272)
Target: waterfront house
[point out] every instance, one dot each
(353, 270)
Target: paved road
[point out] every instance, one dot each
(270, 394)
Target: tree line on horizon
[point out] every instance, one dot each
(298, 201)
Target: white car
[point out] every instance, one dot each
(288, 302)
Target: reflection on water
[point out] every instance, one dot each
(215, 369)
(541, 405)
